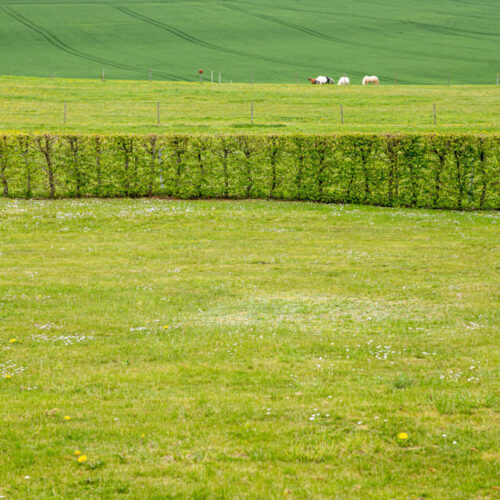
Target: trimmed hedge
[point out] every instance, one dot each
(439, 171)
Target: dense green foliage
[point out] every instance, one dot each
(247, 350)
(440, 171)
(281, 41)
(95, 107)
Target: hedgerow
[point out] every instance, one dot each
(439, 171)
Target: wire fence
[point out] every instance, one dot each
(94, 106)
(169, 115)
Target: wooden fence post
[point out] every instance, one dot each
(102, 74)
(251, 112)
(158, 112)
(434, 113)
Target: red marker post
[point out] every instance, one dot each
(200, 72)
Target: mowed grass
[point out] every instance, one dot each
(92, 106)
(280, 41)
(247, 349)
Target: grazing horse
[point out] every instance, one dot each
(371, 79)
(321, 80)
(344, 80)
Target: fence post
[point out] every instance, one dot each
(434, 113)
(251, 112)
(211, 77)
(64, 113)
(341, 114)
(102, 74)
(150, 75)
(158, 112)
(220, 78)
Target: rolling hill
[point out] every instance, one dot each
(283, 41)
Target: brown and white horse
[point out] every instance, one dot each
(321, 80)
(367, 80)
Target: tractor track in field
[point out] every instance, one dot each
(297, 27)
(288, 24)
(59, 44)
(196, 41)
(324, 36)
(429, 27)
(458, 32)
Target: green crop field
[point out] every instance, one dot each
(422, 41)
(247, 350)
(92, 106)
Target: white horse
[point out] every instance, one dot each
(344, 80)
(321, 80)
(371, 79)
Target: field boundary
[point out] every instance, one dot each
(455, 171)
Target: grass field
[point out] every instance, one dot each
(33, 104)
(279, 41)
(247, 349)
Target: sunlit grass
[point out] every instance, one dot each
(92, 106)
(247, 349)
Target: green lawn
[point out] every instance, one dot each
(422, 41)
(92, 106)
(247, 349)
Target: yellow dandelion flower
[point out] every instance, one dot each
(142, 436)
(12, 341)
(403, 436)
(165, 327)
(81, 459)
(7, 375)
(67, 417)
(78, 452)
